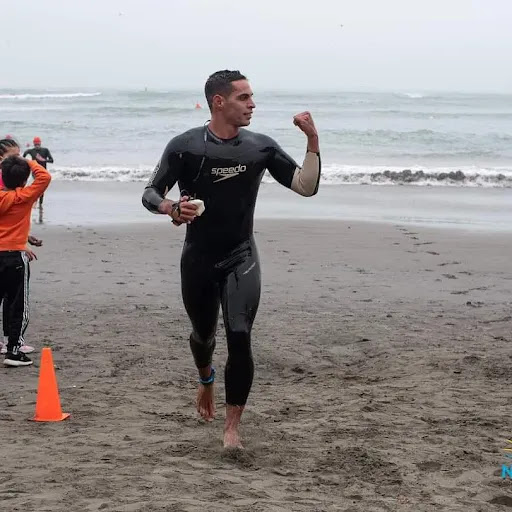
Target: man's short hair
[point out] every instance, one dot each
(220, 83)
(15, 172)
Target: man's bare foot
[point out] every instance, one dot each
(206, 401)
(231, 427)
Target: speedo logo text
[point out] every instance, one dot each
(223, 173)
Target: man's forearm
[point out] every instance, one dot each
(313, 144)
(307, 178)
(152, 199)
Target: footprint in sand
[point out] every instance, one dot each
(477, 304)
(433, 253)
(449, 276)
(502, 500)
(238, 456)
(428, 466)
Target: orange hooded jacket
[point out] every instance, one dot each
(16, 208)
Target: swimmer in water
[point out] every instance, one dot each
(223, 165)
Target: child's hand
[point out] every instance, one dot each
(32, 240)
(31, 255)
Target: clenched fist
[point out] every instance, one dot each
(306, 124)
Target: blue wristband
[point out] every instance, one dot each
(208, 380)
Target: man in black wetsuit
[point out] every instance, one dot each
(223, 164)
(42, 156)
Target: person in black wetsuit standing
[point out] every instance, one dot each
(42, 156)
(223, 165)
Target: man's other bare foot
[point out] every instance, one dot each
(232, 426)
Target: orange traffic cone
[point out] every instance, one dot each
(48, 401)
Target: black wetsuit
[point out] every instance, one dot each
(219, 264)
(43, 152)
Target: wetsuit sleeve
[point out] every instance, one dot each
(49, 157)
(302, 180)
(167, 172)
(26, 152)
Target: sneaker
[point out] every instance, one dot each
(18, 359)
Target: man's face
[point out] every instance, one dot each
(238, 106)
(37, 145)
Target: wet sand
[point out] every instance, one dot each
(383, 372)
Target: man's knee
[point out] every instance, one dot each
(202, 349)
(239, 341)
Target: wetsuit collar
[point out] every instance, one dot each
(219, 139)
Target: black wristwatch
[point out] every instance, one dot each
(176, 208)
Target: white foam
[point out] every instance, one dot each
(48, 95)
(414, 95)
(468, 176)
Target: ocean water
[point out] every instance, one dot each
(419, 139)
(72, 203)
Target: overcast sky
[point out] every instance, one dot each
(411, 45)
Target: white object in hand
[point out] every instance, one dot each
(28, 157)
(200, 206)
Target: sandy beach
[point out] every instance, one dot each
(382, 383)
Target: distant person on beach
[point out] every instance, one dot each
(16, 200)
(223, 164)
(42, 156)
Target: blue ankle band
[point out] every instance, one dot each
(208, 380)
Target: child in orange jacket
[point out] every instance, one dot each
(16, 200)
